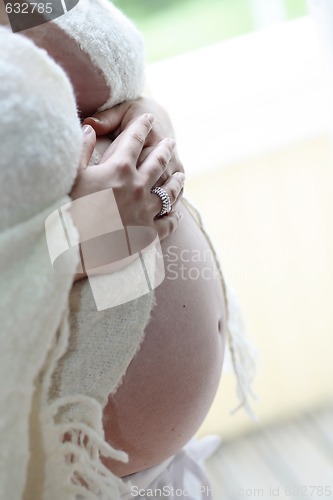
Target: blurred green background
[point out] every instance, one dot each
(174, 26)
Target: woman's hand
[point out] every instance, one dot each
(131, 184)
(116, 120)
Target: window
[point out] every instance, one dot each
(174, 26)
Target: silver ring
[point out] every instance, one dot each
(165, 199)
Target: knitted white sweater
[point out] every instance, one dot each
(39, 153)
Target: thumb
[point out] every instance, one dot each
(107, 121)
(88, 146)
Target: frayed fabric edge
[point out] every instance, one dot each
(74, 468)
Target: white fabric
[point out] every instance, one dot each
(39, 153)
(243, 354)
(181, 476)
(113, 43)
(40, 146)
(74, 388)
(102, 343)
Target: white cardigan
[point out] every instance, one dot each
(40, 147)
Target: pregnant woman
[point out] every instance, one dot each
(153, 365)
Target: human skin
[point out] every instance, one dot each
(130, 181)
(170, 384)
(123, 183)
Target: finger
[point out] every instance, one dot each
(129, 144)
(167, 225)
(144, 154)
(88, 146)
(157, 162)
(174, 186)
(175, 165)
(109, 151)
(109, 120)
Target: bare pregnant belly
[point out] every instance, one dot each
(170, 384)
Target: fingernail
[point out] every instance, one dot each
(87, 129)
(180, 215)
(171, 141)
(94, 119)
(150, 117)
(181, 177)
